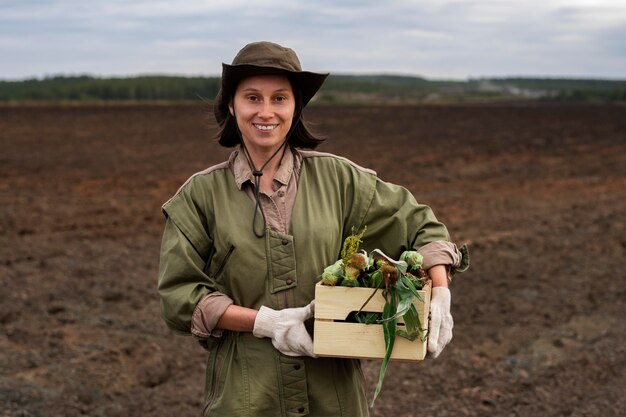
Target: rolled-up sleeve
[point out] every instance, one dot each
(207, 313)
(445, 253)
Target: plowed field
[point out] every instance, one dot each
(538, 191)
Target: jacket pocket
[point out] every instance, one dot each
(214, 375)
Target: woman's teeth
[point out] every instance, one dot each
(265, 127)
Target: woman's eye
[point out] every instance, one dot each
(253, 98)
(280, 98)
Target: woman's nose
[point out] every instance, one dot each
(266, 110)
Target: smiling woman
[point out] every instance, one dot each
(263, 107)
(303, 85)
(245, 292)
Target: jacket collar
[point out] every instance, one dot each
(242, 172)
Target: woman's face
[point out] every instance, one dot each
(264, 106)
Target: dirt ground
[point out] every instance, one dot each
(538, 191)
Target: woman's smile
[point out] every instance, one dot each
(264, 127)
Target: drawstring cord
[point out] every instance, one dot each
(257, 186)
(257, 173)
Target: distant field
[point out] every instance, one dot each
(339, 89)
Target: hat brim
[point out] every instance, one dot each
(308, 83)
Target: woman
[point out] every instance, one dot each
(245, 241)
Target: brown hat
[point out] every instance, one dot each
(260, 58)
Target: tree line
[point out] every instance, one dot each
(91, 88)
(338, 89)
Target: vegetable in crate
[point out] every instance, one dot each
(333, 273)
(347, 270)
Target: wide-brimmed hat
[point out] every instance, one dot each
(261, 58)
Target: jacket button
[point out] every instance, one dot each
(284, 242)
(296, 367)
(301, 410)
(289, 281)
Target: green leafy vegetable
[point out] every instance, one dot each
(413, 258)
(367, 318)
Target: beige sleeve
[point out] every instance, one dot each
(441, 253)
(207, 313)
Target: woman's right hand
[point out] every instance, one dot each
(286, 329)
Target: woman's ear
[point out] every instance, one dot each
(231, 109)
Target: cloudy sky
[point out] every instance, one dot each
(452, 39)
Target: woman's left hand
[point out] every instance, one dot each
(440, 331)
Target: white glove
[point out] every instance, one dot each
(286, 329)
(440, 332)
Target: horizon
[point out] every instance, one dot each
(469, 79)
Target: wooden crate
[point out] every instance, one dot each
(336, 338)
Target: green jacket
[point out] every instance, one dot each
(208, 245)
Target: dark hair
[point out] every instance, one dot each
(301, 137)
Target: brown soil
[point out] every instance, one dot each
(538, 191)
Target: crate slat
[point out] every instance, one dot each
(335, 338)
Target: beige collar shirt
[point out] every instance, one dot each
(278, 206)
